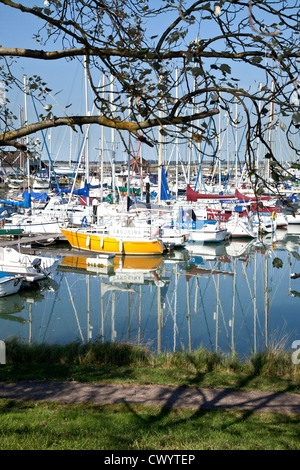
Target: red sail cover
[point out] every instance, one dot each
(193, 196)
(241, 197)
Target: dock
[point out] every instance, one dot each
(45, 238)
(48, 244)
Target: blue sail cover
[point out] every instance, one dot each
(39, 196)
(80, 192)
(164, 191)
(25, 203)
(36, 196)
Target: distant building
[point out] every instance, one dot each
(139, 165)
(16, 161)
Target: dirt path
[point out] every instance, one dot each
(180, 397)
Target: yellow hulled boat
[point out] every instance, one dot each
(114, 239)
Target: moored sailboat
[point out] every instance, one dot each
(9, 284)
(114, 239)
(30, 267)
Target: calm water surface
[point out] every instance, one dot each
(227, 297)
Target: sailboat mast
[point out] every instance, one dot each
(102, 142)
(87, 157)
(26, 123)
(113, 148)
(87, 113)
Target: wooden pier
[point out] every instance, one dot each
(47, 243)
(43, 238)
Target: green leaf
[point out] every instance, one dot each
(225, 68)
(277, 263)
(275, 176)
(256, 60)
(197, 71)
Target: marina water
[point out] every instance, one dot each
(235, 296)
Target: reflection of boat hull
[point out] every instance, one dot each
(237, 248)
(138, 270)
(74, 263)
(86, 265)
(206, 250)
(148, 263)
(127, 262)
(102, 243)
(293, 229)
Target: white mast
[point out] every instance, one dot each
(26, 124)
(102, 142)
(177, 149)
(87, 157)
(113, 144)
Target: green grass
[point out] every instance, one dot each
(51, 426)
(32, 426)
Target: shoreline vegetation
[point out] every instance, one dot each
(127, 427)
(269, 370)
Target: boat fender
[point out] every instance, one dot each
(88, 239)
(101, 242)
(274, 215)
(120, 246)
(84, 222)
(16, 282)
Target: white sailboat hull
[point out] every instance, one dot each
(9, 284)
(209, 234)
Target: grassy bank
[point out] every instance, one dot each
(51, 426)
(271, 370)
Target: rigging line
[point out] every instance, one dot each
(149, 314)
(172, 314)
(204, 311)
(52, 308)
(247, 281)
(274, 292)
(61, 144)
(125, 321)
(135, 155)
(107, 303)
(243, 315)
(222, 312)
(252, 295)
(203, 153)
(75, 311)
(257, 314)
(50, 159)
(177, 330)
(170, 301)
(137, 317)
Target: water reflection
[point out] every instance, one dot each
(227, 297)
